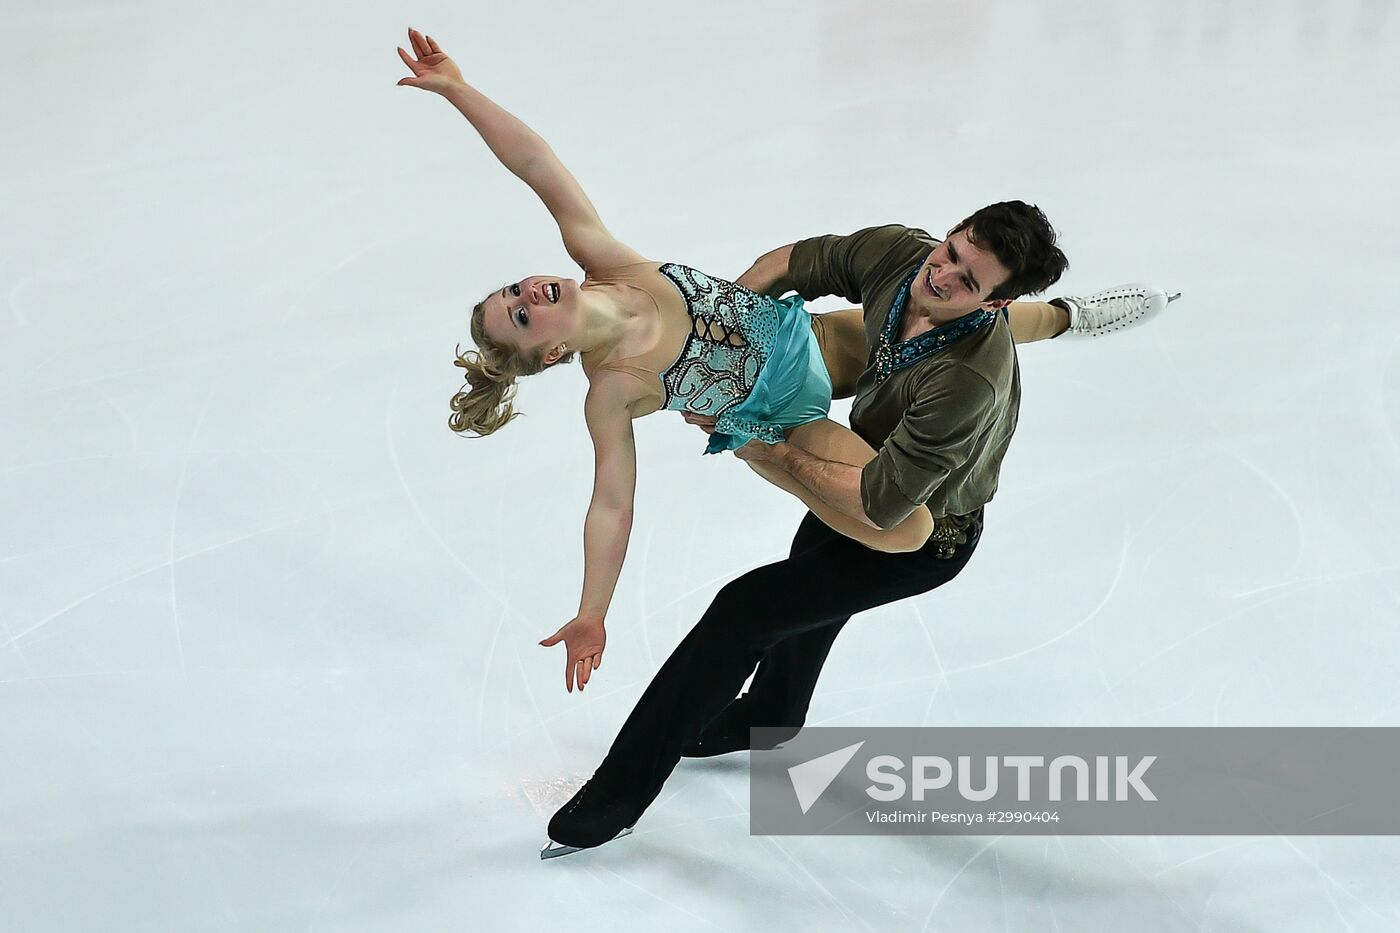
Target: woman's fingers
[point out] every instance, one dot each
(432, 44)
(408, 59)
(423, 45)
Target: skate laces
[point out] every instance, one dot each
(1106, 308)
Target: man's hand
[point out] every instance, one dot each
(432, 69)
(758, 452)
(584, 638)
(703, 422)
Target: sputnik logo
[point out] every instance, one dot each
(811, 778)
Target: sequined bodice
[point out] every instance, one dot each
(731, 331)
(749, 361)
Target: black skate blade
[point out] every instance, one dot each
(553, 849)
(1171, 298)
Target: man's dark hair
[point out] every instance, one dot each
(1019, 235)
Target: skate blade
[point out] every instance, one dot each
(1171, 298)
(553, 849)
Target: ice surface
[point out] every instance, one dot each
(267, 627)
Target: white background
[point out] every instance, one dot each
(267, 627)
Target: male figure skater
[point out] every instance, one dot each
(938, 401)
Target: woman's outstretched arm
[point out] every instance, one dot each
(606, 528)
(522, 151)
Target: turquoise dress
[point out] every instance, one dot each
(750, 361)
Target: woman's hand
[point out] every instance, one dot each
(432, 69)
(584, 638)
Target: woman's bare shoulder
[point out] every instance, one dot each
(615, 271)
(618, 387)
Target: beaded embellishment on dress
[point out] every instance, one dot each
(731, 332)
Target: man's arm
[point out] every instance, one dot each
(831, 264)
(936, 434)
(836, 484)
(769, 273)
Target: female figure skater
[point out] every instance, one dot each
(651, 336)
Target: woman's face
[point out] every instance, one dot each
(533, 315)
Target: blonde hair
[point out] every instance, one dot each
(485, 404)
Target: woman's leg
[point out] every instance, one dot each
(831, 441)
(841, 335)
(1035, 320)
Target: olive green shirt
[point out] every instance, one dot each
(941, 425)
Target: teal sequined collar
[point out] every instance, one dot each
(891, 355)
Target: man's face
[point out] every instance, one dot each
(956, 279)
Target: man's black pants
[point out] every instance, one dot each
(781, 617)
